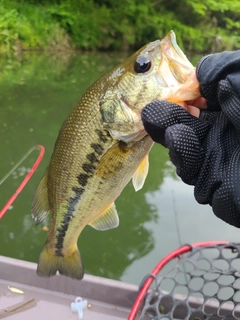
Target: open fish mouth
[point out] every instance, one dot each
(174, 67)
(173, 51)
(178, 72)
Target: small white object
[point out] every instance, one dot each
(78, 306)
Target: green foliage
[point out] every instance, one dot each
(200, 25)
(29, 27)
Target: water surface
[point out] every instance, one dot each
(37, 91)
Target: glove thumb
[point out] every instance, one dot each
(159, 115)
(230, 103)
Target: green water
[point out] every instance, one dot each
(37, 91)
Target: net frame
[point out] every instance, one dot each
(227, 253)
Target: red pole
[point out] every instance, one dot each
(25, 180)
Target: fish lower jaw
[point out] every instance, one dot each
(127, 137)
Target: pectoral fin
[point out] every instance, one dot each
(113, 160)
(40, 206)
(107, 220)
(140, 174)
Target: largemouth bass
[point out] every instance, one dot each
(102, 145)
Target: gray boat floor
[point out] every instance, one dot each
(52, 297)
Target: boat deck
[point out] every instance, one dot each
(51, 298)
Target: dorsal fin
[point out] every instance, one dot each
(40, 205)
(140, 174)
(107, 220)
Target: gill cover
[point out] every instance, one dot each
(119, 119)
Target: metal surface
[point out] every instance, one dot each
(107, 299)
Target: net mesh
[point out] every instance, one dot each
(201, 284)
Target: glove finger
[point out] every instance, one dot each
(229, 102)
(216, 152)
(160, 114)
(226, 199)
(184, 153)
(212, 69)
(208, 116)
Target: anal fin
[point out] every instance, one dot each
(107, 220)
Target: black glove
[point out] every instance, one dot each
(206, 150)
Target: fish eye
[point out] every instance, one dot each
(142, 64)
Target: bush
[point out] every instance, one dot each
(200, 25)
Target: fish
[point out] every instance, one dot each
(101, 146)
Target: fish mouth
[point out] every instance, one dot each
(170, 39)
(176, 60)
(177, 71)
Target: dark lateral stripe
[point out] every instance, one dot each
(62, 230)
(103, 135)
(98, 148)
(88, 168)
(82, 179)
(92, 157)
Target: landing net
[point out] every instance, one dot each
(194, 282)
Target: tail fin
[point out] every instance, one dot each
(70, 266)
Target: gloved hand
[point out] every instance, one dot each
(206, 150)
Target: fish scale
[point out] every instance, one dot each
(102, 145)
